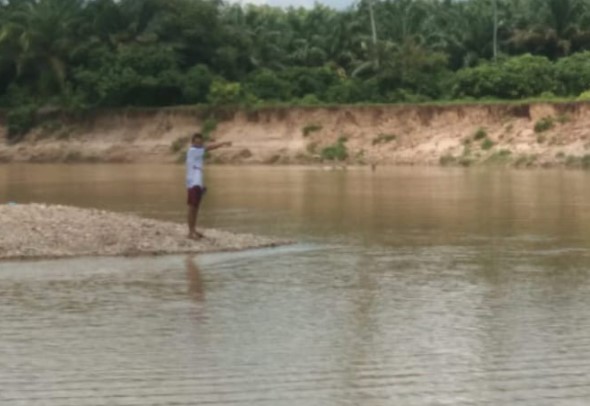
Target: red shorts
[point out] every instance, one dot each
(194, 196)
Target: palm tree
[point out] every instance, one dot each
(41, 36)
(554, 29)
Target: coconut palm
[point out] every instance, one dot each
(40, 37)
(558, 28)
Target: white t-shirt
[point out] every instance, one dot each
(194, 167)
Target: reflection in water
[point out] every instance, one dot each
(419, 287)
(196, 287)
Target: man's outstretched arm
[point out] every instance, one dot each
(217, 145)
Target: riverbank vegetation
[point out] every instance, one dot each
(76, 55)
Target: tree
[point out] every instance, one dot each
(40, 38)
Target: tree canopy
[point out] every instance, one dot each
(107, 53)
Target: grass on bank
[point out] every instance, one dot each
(205, 109)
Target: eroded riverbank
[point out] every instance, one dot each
(36, 231)
(521, 135)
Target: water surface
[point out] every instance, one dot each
(409, 287)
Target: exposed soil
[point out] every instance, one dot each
(520, 135)
(35, 231)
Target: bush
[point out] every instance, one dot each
(336, 151)
(515, 78)
(309, 100)
(20, 121)
(573, 73)
(304, 81)
(196, 84)
(447, 160)
(480, 134)
(544, 124)
(179, 144)
(487, 144)
(224, 93)
(310, 128)
(267, 85)
(351, 91)
(501, 157)
(209, 125)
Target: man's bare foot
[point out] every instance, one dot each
(195, 236)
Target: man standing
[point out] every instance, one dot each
(194, 179)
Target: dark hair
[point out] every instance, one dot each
(197, 135)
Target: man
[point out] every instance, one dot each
(194, 179)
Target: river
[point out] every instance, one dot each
(408, 286)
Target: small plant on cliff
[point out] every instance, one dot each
(310, 128)
(525, 160)
(208, 127)
(480, 134)
(384, 139)
(447, 160)
(179, 144)
(336, 151)
(544, 124)
(487, 144)
(499, 158)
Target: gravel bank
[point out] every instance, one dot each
(36, 231)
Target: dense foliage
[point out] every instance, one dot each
(78, 54)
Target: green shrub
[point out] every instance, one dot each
(525, 160)
(305, 81)
(466, 161)
(499, 158)
(578, 162)
(209, 125)
(309, 100)
(222, 93)
(480, 134)
(179, 144)
(544, 124)
(196, 84)
(514, 78)
(384, 139)
(336, 151)
(447, 160)
(487, 144)
(310, 128)
(265, 84)
(20, 121)
(573, 73)
(584, 96)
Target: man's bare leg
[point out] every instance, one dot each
(193, 211)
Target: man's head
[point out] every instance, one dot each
(197, 140)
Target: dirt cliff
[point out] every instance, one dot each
(500, 134)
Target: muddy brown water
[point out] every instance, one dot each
(409, 287)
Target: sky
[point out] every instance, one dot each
(337, 4)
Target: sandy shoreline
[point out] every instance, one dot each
(38, 231)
